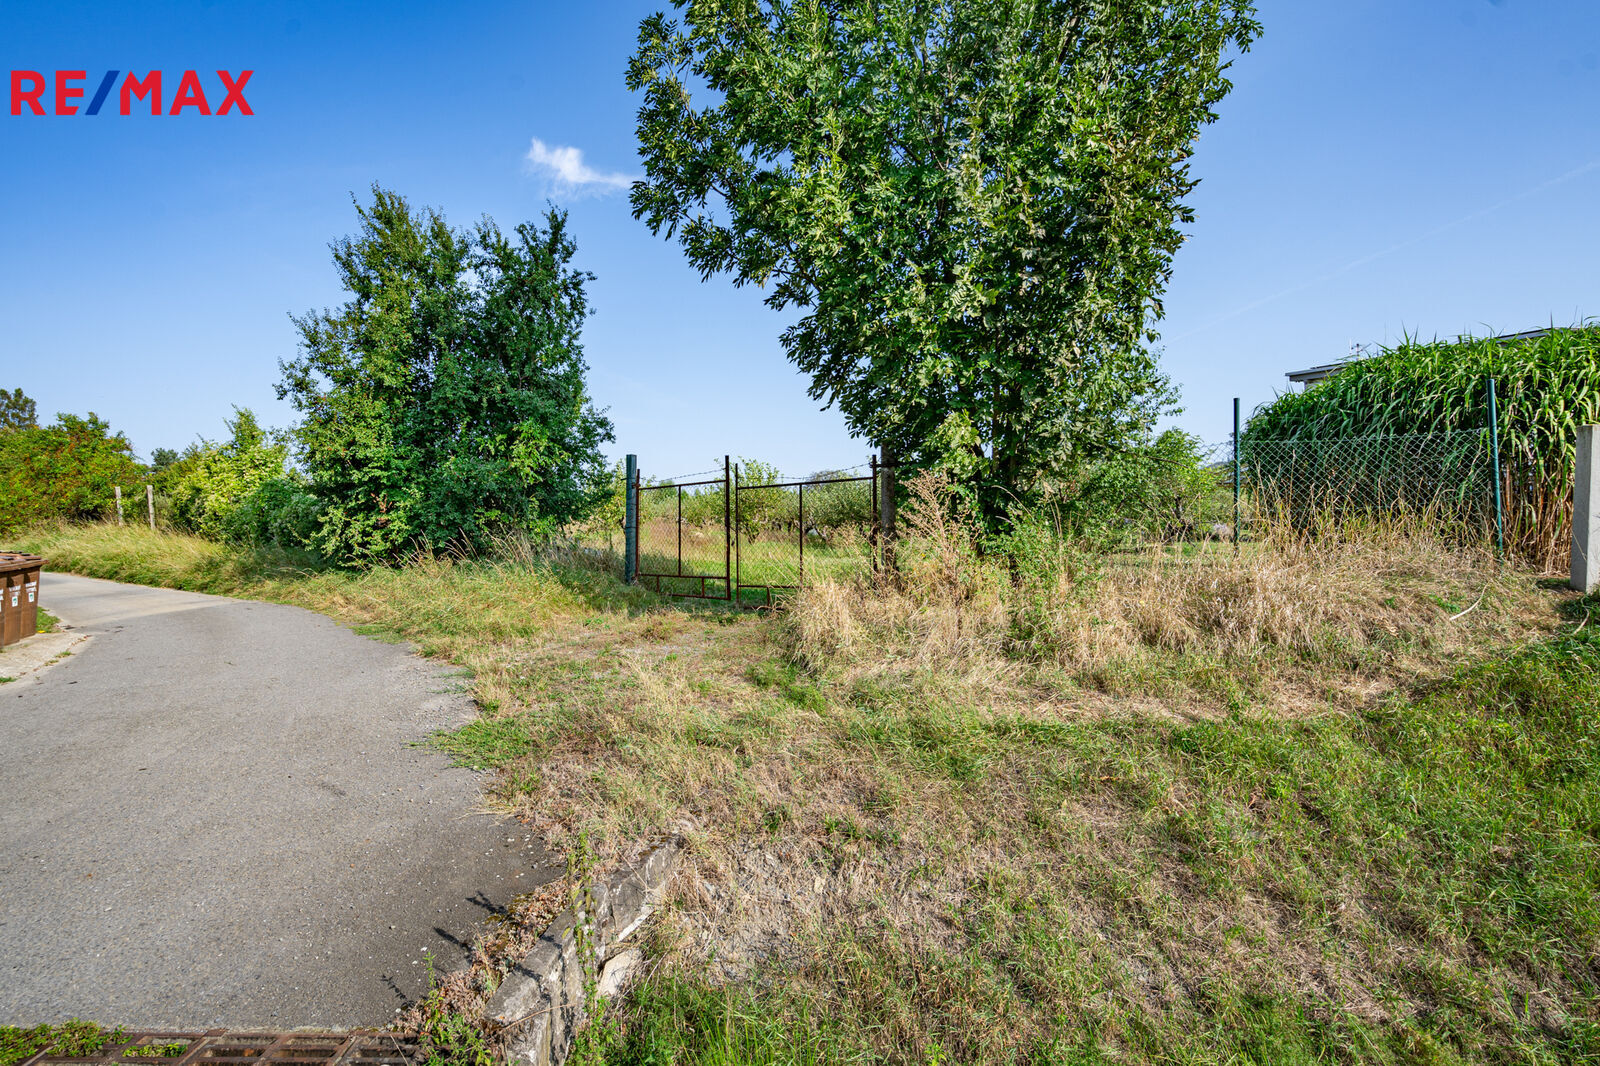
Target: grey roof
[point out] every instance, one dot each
(1327, 370)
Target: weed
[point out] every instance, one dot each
(73, 1039)
(448, 1037)
(156, 1051)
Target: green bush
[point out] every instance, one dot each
(67, 471)
(1162, 490)
(444, 402)
(215, 480)
(281, 512)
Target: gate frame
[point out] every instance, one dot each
(880, 535)
(874, 533)
(726, 577)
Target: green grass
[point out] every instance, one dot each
(1199, 860)
(74, 1038)
(769, 559)
(1419, 883)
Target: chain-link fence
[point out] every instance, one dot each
(683, 542)
(786, 532)
(750, 535)
(1445, 477)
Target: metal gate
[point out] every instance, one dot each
(704, 571)
(751, 542)
(772, 530)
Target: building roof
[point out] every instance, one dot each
(1314, 374)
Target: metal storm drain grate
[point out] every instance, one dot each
(221, 1046)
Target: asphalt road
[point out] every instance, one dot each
(213, 813)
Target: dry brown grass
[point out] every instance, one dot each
(930, 811)
(1381, 593)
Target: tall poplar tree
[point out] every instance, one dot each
(973, 203)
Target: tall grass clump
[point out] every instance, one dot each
(1035, 597)
(1547, 386)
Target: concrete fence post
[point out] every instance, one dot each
(150, 505)
(889, 512)
(1586, 511)
(118, 490)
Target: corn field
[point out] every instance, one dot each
(1548, 386)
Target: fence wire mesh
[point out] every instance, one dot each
(1443, 476)
(789, 532)
(683, 538)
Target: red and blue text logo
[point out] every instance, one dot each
(32, 93)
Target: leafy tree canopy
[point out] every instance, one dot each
(213, 480)
(446, 397)
(974, 202)
(66, 471)
(17, 411)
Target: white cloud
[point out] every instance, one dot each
(566, 165)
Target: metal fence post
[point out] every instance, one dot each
(738, 576)
(802, 533)
(1236, 475)
(727, 528)
(1586, 511)
(875, 533)
(1494, 465)
(630, 521)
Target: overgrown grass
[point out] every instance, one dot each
(73, 1038)
(1350, 814)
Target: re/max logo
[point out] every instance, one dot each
(28, 91)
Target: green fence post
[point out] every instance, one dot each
(1236, 475)
(1494, 465)
(630, 521)
(727, 528)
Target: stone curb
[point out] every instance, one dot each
(540, 1003)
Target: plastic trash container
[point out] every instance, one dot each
(19, 596)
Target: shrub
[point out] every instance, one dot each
(445, 400)
(64, 471)
(1160, 490)
(281, 513)
(211, 482)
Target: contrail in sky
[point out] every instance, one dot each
(1593, 164)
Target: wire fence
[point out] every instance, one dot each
(752, 535)
(748, 535)
(788, 532)
(1445, 477)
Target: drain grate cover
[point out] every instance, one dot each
(220, 1046)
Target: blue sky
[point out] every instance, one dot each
(1430, 166)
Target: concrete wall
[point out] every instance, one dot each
(1586, 512)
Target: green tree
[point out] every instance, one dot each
(446, 398)
(218, 477)
(17, 411)
(65, 471)
(974, 202)
(1158, 489)
(161, 459)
